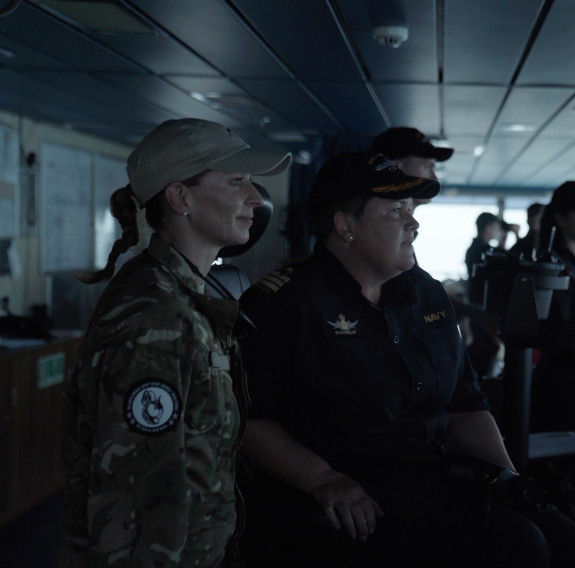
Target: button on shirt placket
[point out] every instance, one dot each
(395, 336)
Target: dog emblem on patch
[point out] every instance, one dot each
(152, 406)
(343, 326)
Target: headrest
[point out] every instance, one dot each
(262, 215)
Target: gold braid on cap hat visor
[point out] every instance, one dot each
(394, 188)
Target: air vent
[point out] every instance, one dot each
(97, 17)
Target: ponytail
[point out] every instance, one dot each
(124, 210)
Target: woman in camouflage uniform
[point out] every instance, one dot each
(158, 391)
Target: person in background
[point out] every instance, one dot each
(361, 390)
(158, 394)
(489, 228)
(506, 230)
(553, 400)
(483, 338)
(527, 246)
(412, 151)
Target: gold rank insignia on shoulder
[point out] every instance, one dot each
(275, 280)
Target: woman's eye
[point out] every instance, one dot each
(237, 181)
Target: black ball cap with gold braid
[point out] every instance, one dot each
(350, 174)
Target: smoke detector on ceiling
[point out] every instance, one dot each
(391, 36)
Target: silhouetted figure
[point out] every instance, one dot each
(553, 400)
(527, 246)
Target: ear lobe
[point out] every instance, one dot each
(176, 196)
(343, 225)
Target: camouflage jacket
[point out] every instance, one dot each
(157, 421)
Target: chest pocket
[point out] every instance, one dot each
(211, 395)
(217, 361)
(211, 365)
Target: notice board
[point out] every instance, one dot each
(110, 175)
(67, 230)
(8, 181)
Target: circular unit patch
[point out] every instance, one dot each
(152, 407)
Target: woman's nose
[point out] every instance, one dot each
(254, 198)
(413, 224)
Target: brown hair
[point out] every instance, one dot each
(323, 221)
(123, 208)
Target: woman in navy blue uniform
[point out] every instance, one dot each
(361, 388)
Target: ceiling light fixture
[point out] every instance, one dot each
(222, 100)
(6, 53)
(478, 150)
(518, 127)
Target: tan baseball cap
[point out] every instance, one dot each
(180, 149)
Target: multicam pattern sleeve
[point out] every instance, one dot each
(156, 434)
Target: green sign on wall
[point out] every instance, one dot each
(51, 370)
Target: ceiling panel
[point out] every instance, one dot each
(552, 59)
(561, 126)
(295, 104)
(552, 174)
(248, 110)
(25, 58)
(212, 30)
(94, 91)
(154, 90)
(353, 104)
(469, 109)
(412, 105)
(160, 54)
(281, 26)
(43, 34)
(500, 152)
(31, 98)
(531, 161)
(531, 108)
(485, 40)
(457, 168)
(290, 73)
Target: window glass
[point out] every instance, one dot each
(447, 227)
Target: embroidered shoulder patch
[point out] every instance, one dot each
(338, 324)
(275, 280)
(152, 407)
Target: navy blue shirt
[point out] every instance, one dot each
(362, 385)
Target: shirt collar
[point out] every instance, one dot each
(395, 293)
(176, 263)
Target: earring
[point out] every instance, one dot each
(185, 213)
(350, 238)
